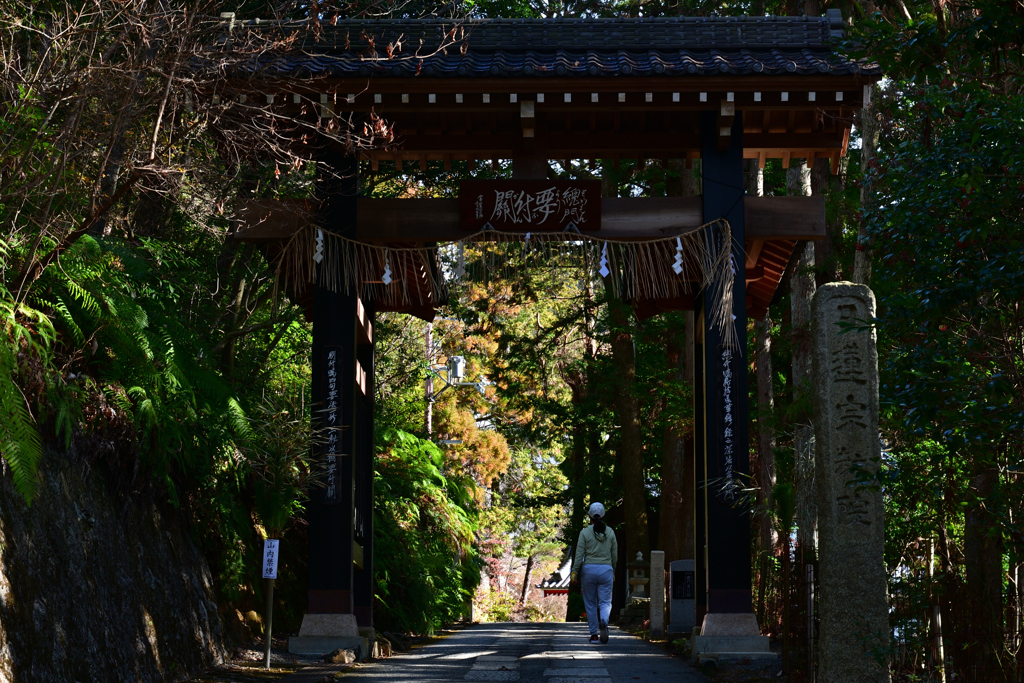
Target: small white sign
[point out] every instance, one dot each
(270, 547)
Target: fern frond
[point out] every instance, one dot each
(61, 307)
(121, 399)
(84, 297)
(20, 443)
(38, 334)
(238, 419)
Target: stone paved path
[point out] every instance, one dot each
(537, 653)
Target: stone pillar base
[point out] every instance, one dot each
(324, 633)
(731, 638)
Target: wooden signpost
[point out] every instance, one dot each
(270, 554)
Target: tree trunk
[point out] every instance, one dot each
(868, 148)
(826, 263)
(949, 578)
(983, 558)
(787, 609)
(937, 656)
(631, 453)
(675, 524)
(675, 518)
(763, 466)
(526, 580)
(574, 604)
(754, 178)
(798, 182)
(765, 471)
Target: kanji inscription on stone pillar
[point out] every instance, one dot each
(851, 535)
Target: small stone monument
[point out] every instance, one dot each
(851, 536)
(683, 596)
(657, 594)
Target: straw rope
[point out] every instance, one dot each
(405, 276)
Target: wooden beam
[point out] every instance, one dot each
(437, 220)
(851, 85)
(784, 218)
(560, 145)
(260, 220)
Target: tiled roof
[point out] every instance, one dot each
(560, 579)
(684, 46)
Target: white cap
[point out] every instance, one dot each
(596, 510)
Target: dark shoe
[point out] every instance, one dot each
(593, 639)
(604, 632)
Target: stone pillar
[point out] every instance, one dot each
(682, 593)
(853, 607)
(657, 594)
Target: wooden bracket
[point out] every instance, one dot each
(528, 115)
(360, 378)
(726, 116)
(364, 325)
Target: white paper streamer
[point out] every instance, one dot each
(386, 277)
(460, 268)
(678, 265)
(318, 253)
(604, 261)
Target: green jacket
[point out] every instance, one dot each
(596, 549)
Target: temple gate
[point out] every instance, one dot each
(721, 90)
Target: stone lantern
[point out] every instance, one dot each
(638, 576)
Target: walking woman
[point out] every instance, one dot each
(596, 553)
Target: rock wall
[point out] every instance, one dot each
(99, 586)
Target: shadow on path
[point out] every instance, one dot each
(533, 652)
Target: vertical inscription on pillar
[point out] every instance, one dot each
(727, 485)
(331, 425)
(852, 603)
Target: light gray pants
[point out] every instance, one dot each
(596, 586)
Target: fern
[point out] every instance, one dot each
(238, 420)
(19, 439)
(20, 443)
(64, 313)
(87, 300)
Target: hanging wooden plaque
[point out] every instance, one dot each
(530, 205)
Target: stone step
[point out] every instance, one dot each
(710, 644)
(723, 657)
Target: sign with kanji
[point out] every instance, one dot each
(270, 547)
(724, 467)
(332, 424)
(530, 205)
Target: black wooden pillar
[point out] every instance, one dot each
(330, 511)
(700, 543)
(726, 429)
(362, 597)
